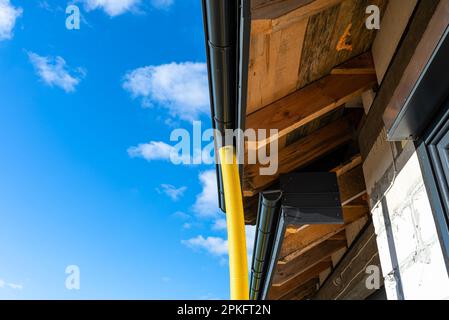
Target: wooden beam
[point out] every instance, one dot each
(395, 20)
(306, 290)
(310, 236)
(285, 272)
(348, 166)
(276, 293)
(299, 154)
(273, 63)
(423, 54)
(351, 185)
(347, 282)
(308, 104)
(324, 33)
(265, 18)
(271, 9)
(418, 25)
(361, 65)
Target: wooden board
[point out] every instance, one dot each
(362, 64)
(311, 273)
(299, 154)
(326, 29)
(348, 279)
(394, 21)
(272, 9)
(303, 291)
(261, 24)
(274, 64)
(308, 104)
(286, 272)
(373, 123)
(351, 185)
(309, 237)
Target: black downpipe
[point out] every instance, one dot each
(267, 217)
(221, 31)
(222, 27)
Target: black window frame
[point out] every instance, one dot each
(433, 154)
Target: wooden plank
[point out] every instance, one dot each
(274, 64)
(285, 272)
(348, 279)
(395, 20)
(325, 30)
(353, 230)
(260, 24)
(373, 123)
(308, 104)
(362, 64)
(324, 274)
(303, 291)
(423, 54)
(250, 207)
(351, 164)
(299, 154)
(318, 46)
(276, 293)
(271, 9)
(351, 185)
(309, 237)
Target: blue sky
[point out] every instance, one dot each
(85, 174)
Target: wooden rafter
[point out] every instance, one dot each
(311, 273)
(308, 104)
(310, 236)
(407, 57)
(304, 291)
(302, 262)
(283, 13)
(351, 272)
(299, 154)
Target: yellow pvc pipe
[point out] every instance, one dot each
(238, 264)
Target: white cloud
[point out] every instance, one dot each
(181, 88)
(218, 246)
(112, 7)
(171, 191)
(55, 72)
(117, 7)
(181, 215)
(187, 226)
(162, 4)
(206, 204)
(8, 17)
(214, 245)
(155, 150)
(250, 232)
(15, 286)
(219, 224)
